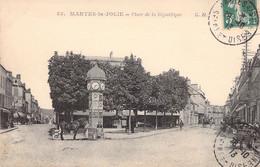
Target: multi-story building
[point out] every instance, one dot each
(28, 98)
(33, 107)
(15, 100)
(36, 115)
(115, 61)
(244, 99)
(5, 96)
(196, 109)
(216, 113)
(18, 92)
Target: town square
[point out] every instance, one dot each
(93, 84)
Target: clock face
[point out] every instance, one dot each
(95, 85)
(88, 86)
(102, 86)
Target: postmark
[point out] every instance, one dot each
(236, 148)
(233, 22)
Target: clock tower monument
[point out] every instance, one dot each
(96, 86)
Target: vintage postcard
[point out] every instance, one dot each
(129, 83)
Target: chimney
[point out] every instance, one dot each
(55, 53)
(111, 54)
(18, 76)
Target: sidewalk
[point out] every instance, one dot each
(119, 134)
(8, 130)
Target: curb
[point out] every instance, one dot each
(148, 135)
(138, 137)
(8, 130)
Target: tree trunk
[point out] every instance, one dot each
(57, 119)
(129, 122)
(71, 116)
(144, 119)
(66, 116)
(164, 120)
(156, 119)
(136, 115)
(171, 119)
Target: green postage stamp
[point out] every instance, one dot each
(233, 22)
(240, 13)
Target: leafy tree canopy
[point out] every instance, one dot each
(67, 80)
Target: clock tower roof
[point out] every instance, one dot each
(96, 73)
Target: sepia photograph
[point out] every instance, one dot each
(115, 83)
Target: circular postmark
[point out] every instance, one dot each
(236, 148)
(233, 22)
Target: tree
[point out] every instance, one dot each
(67, 80)
(133, 79)
(114, 94)
(174, 95)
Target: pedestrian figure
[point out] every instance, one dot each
(99, 130)
(86, 129)
(181, 124)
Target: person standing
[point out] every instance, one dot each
(99, 130)
(181, 124)
(86, 129)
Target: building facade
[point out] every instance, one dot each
(18, 92)
(196, 109)
(114, 61)
(15, 100)
(244, 100)
(5, 96)
(216, 113)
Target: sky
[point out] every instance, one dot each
(31, 30)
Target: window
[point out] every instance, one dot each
(15, 91)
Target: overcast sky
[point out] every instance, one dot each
(31, 31)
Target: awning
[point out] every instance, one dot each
(5, 110)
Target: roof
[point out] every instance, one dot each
(5, 110)
(96, 73)
(125, 113)
(115, 59)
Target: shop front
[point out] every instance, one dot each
(5, 115)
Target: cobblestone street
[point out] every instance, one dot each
(30, 145)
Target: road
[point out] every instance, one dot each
(30, 145)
